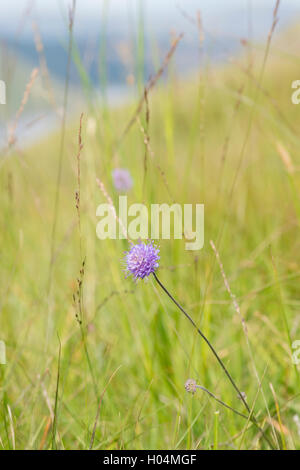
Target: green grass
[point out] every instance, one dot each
(135, 350)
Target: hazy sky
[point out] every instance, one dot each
(218, 15)
(88, 7)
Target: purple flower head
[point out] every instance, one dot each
(122, 179)
(142, 259)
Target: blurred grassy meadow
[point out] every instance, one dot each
(226, 137)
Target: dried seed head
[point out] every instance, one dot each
(190, 386)
(243, 395)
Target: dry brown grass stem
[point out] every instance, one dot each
(12, 131)
(43, 63)
(152, 82)
(112, 207)
(78, 193)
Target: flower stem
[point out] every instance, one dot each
(235, 411)
(207, 341)
(251, 417)
(222, 402)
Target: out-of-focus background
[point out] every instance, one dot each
(113, 39)
(217, 125)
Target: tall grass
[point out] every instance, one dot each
(116, 380)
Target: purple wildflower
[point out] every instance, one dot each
(122, 179)
(142, 259)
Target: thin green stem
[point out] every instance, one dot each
(221, 402)
(233, 409)
(54, 426)
(62, 143)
